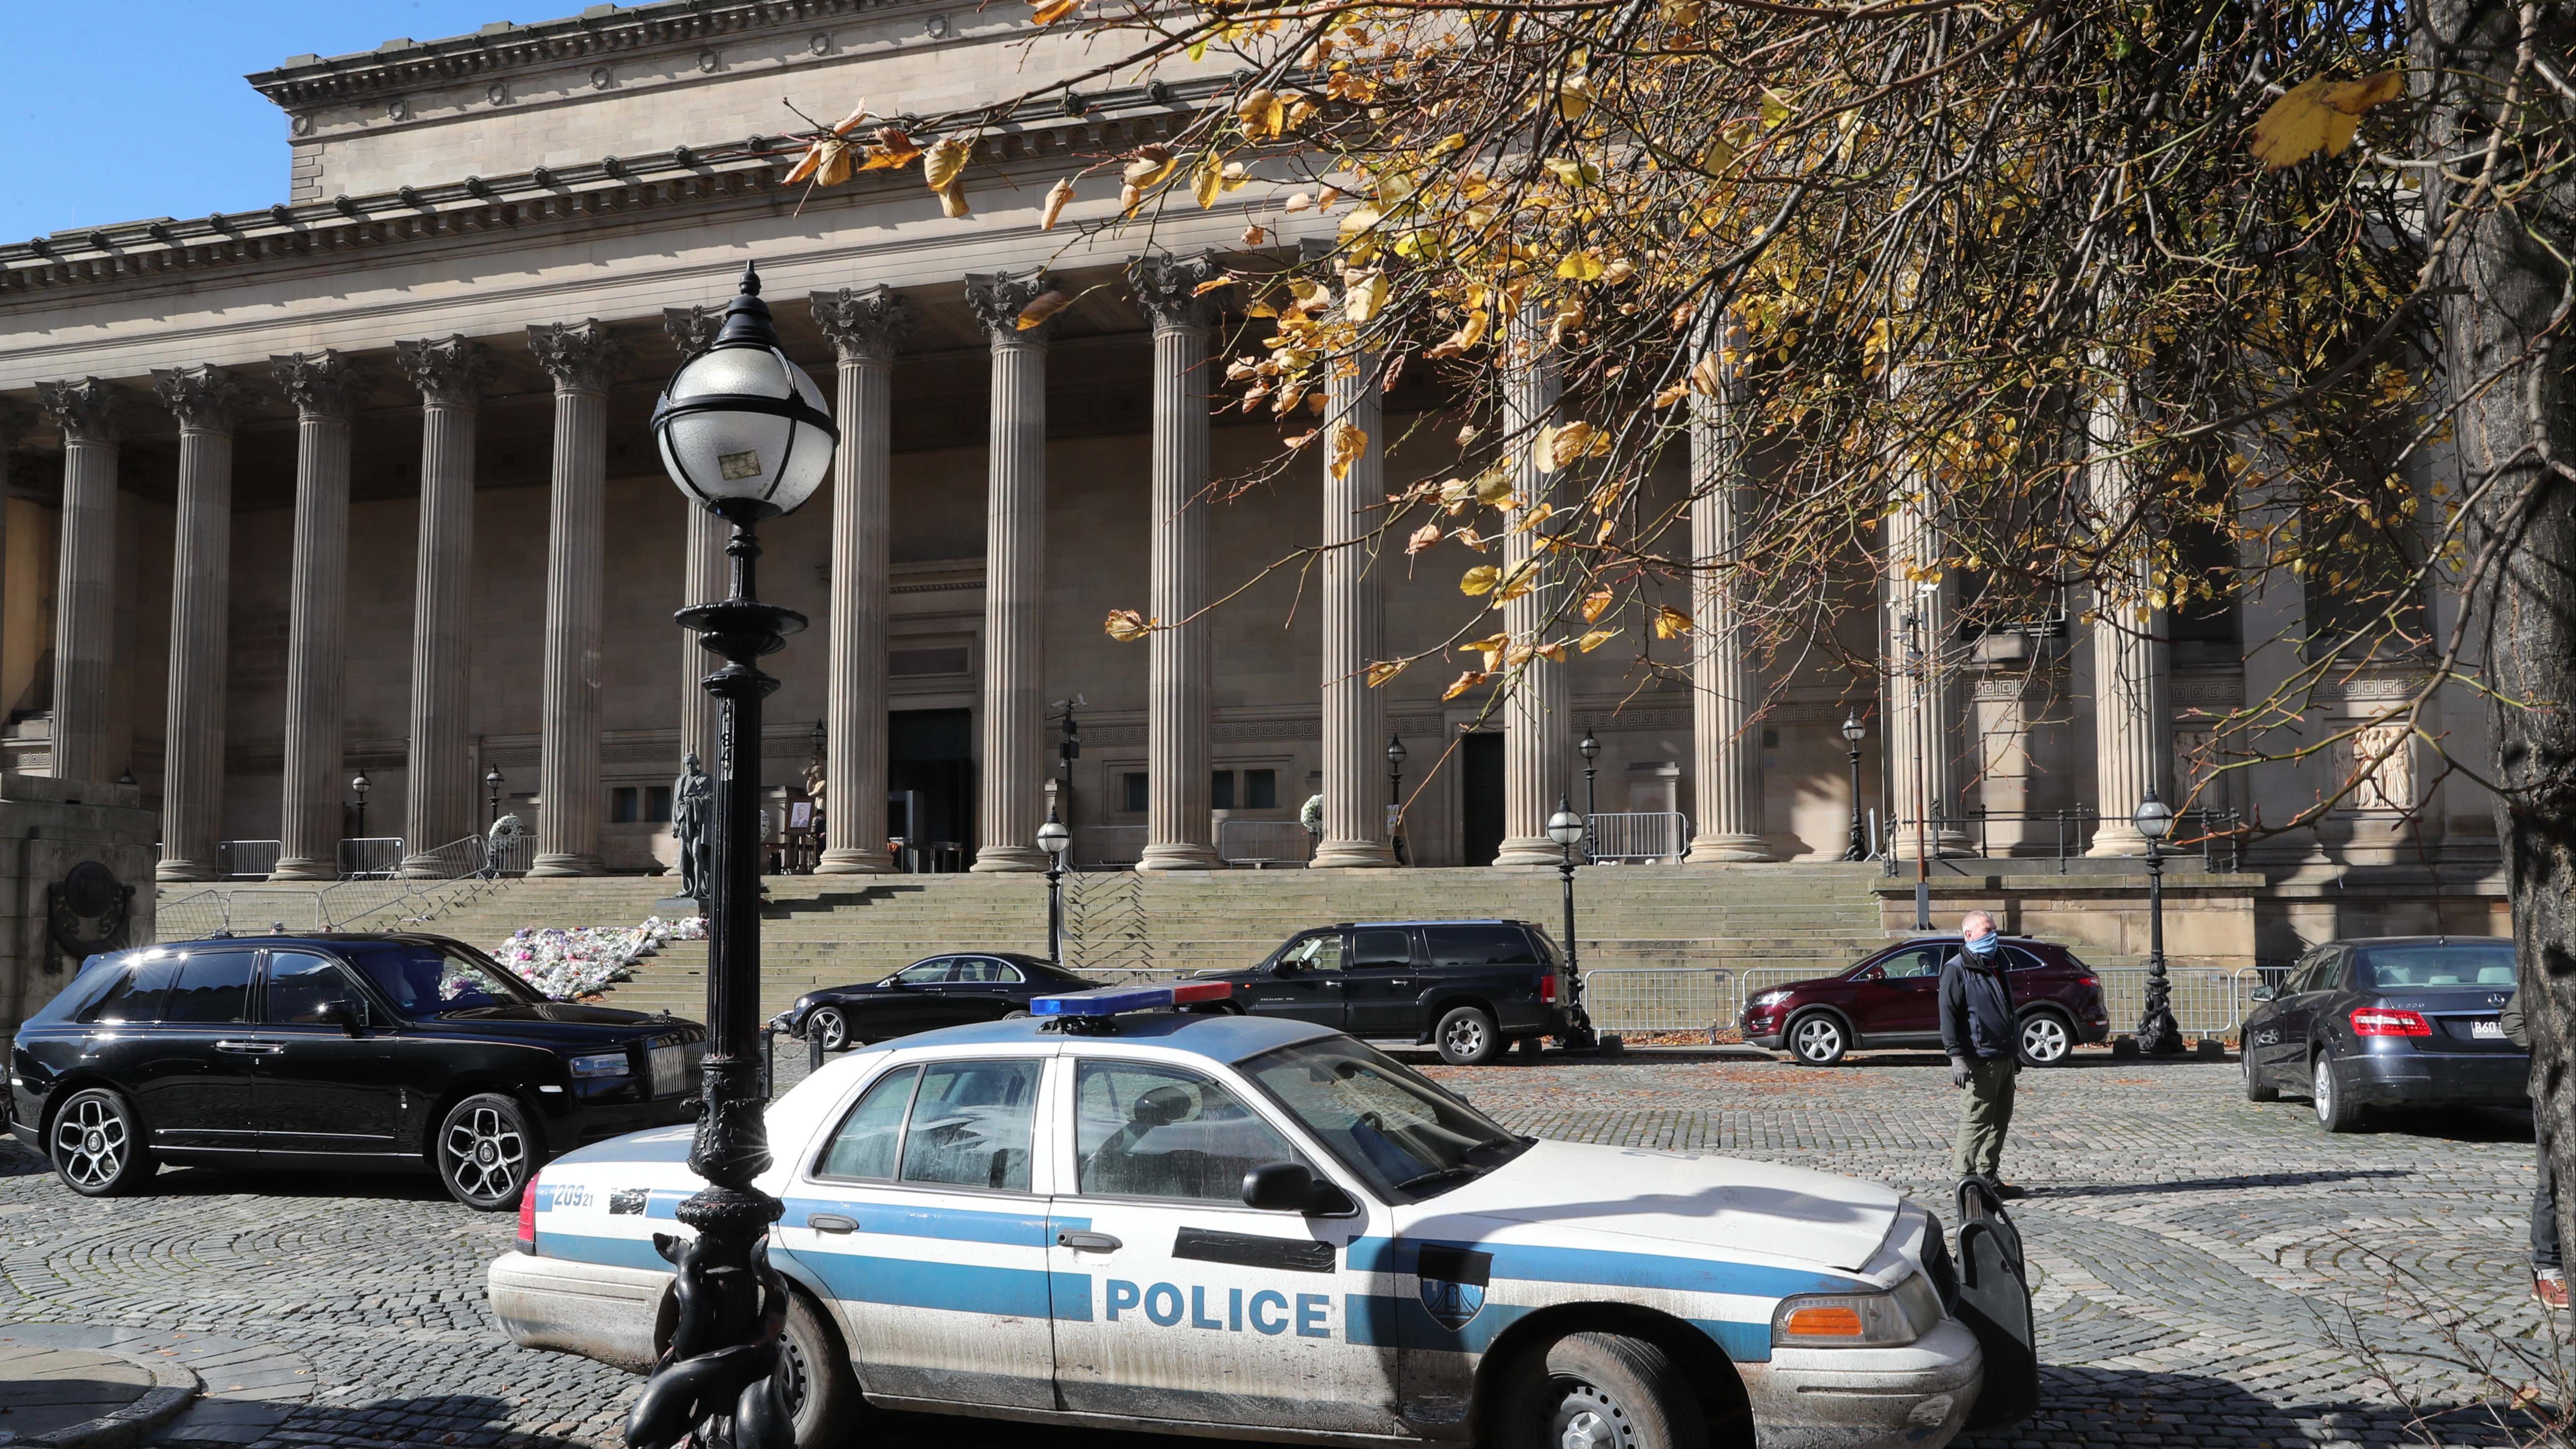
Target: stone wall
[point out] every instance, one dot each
(48, 826)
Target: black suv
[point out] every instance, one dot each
(1469, 986)
(340, 1052)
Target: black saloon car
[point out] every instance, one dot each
(1470, 987)
(937, 991)
(2392, 1021)
(336, 1052)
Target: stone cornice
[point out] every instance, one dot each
(683, 179)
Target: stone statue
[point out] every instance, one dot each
(692, 802)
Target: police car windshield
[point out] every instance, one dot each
(1405, 1136)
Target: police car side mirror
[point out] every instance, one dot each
(1289, 1187)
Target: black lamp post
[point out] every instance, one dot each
(2158, 1033)
(1053, 838)
(492, 796)
(1853, 731)
(745, 433)
(359, 786)
(1590, 749)
(1395, 793)
(1566, 829)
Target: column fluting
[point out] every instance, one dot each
(206, 401)
(439, 787)
(326, 388)
(1726, 690)
(1536, 714)
(865, 327)
(584, 359)
(90, 414)
(2132, 696)
(1918, 663)
(1354, 625)
(1014, 764)
(1178, 832)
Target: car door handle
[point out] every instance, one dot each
(831, 1223)
(1088, 1242)
(251, 1048)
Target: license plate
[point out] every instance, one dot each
(2486, 1031)
(670, 1066)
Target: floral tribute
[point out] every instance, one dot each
(568, 963)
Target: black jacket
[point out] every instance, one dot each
(1976, 1008)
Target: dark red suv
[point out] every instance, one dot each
(1893, 999)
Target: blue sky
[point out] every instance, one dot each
(178, 133)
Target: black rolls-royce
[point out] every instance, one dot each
(936, 991)
(2410, 1021)
(339, 1052)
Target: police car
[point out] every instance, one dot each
(1261, 1228)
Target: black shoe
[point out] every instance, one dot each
(2010, 1192)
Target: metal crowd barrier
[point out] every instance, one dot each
(370, 857)
(248, 859)
(1637, 835)
(1263, 842)
(2206, 1000)
(1660, 998)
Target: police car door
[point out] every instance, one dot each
(1200, 1308)
(921, 1217)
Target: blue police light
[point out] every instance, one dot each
(1111, 1000)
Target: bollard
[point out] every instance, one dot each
(813, 1051)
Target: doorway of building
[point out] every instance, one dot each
(1480, 795)
(930, 779)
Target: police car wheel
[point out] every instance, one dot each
(1467, 1037)
(96, 1143)
(487, 1150)
(1605, 1391)
(828, 1023)
(822, 1395)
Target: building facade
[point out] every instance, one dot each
(362, 483)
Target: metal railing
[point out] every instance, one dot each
(370, 857)
(2206, 1000)
(2065, 835)
(247, 859)
(1637, 835)
(1264, 842)
(1660, 998)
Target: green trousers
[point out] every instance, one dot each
(1984, 1115)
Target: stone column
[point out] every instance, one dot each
(192, 761)
(326, 388)
(1178, 833)
(1535, 737)
(583, 358)
(1354, 624)
(703, 570)
(1014, 574)
(1726, 690)
(2132, 703)
(865, 326)
(439, 786)
(1920, 663)
(90, 414)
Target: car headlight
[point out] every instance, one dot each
(1769, 998)
(605, 1064)
(1857, 1320)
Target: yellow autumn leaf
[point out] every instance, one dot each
(952, 199)
(1574, 98)
(1517, 580)
(1480, 579)
(1384, 670)
(1463, 683)
(1427, 536)
(1150, 164)
(1494, 490)
(1582, 266)
(1573, 172)
(1596, 639)
(2319, 115)
(1127, 626)
(1054, 10)
(1595, 604)
(1349, 441)
(1520, 655)
(1044, 305)
(1364, 295)
(945, 161)
(1207, 179)
(1559, 447)
(1671, 623)
(1491, 647)
(1672, 395)
(1056, 197)
(1554, 652)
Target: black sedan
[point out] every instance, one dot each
(339, 1052)
(2391, 1021)
(936, 991)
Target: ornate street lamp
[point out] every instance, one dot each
(1853, 731)
(744, 432)
(1395, 792)
(1054, 839)
(360, 786)
(1590, 749)
(492, 796)
(1566, 828)
(2158, 1033)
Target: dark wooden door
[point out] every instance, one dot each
(1480, 796)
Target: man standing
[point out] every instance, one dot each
(2548, 1271)
(1978, 1032)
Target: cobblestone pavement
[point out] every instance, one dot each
(2210, 1271)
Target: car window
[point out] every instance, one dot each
(2316, 974)
(1161, 1132)
(2021, 960)
(1382, 948)
(928, 973)
(422, 978)
(1478, 946)
(1386, 1122)
(1916, 961)
(982, 971)
(862, 1147)
(138, 995)
(2445, 963)
(971, 1125)
(213, 987)
(301, 987)
(1319, 952)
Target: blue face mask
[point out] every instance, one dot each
(1984, 946)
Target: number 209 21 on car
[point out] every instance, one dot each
(1213, 1224)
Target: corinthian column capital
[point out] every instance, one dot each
(449, 371)
(1167, 290)
(324, 384)
(580, 356)
(207, 399)
(693, 329)
(865, 324)
(998, 298)
(87, 409)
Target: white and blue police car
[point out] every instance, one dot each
(1264, 1229)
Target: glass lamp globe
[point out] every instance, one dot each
(741, 428)
(1853, 729)
(1564, 827)
(2153, 818)
(1053, 838)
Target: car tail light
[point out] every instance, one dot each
(2389, 1021)
(1547, 987)
(528, 1217)
(2089, 979)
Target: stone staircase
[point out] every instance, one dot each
(830, 930)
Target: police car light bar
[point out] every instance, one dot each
(1111, 1000)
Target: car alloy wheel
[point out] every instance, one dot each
(97, 1146)
(485, 1153)
(831, 1026)
(1817, 1040)
(2333, 1113)
(2045, 1041)
(1467, 1038)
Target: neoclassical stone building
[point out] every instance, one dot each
(362, 482)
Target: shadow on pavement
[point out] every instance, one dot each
(2148, 1407)
(2205, 1184)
